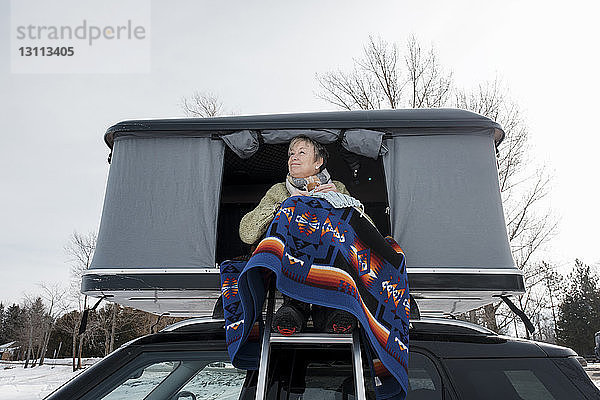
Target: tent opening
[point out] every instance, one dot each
(245, 181)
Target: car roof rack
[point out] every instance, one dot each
(448, 326)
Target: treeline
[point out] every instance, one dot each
(564, 310)
(579, 311)
(40, 334)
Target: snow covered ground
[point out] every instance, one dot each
(593, 370)
(17, 383)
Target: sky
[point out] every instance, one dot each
(261, 57)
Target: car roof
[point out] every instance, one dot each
(443, 337)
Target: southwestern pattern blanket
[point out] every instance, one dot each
(332, 257)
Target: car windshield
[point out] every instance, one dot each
(511, 379)
(173, 375)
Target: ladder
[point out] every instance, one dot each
(305, 338)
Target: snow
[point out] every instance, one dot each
(593, 370)
(18, 383)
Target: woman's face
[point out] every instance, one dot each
(301, 160)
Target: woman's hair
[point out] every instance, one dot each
(320, 150)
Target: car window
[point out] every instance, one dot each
(507, 379)
(424, 381)
(197, 375)
(142, 381)
(219, 380)
(527, 385)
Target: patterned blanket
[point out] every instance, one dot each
(332, 257)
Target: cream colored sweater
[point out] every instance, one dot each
(254, 224)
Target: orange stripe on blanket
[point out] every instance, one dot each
(380, 332)
(327, 277)
(380, 369)
(270, 245)
(394, 245)
(332, 278)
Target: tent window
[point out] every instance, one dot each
(246, 181)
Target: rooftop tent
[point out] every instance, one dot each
(177, 188)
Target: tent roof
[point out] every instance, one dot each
(371, 119)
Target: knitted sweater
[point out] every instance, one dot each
(254, 224)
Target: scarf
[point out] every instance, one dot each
(295, 185)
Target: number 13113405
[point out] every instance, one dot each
(46, 51)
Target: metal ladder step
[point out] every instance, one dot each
(305, 338)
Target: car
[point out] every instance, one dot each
(449, 359)
(177, 189)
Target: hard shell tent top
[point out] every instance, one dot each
(177, 189)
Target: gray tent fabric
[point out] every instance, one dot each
(364, 142)
(445, 204)
(243, 143)
(161, 204)
(279, 136)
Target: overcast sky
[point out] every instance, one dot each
(261, 57)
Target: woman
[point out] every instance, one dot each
(306, 166)
(306, 173)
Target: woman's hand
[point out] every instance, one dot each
(326, 187)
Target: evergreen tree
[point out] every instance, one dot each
(3, 338)
(579, 312)
(13, 322)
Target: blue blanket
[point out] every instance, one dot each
(330, 257)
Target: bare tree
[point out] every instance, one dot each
(54, 297)
(379, 79)
(553, 282)
(373, 83)
(350, 91)
(113, 327)
(430, 85)
(106, 321)
(80, 249)
(32, 330)
(202, 105)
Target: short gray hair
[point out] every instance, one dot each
(320, 150)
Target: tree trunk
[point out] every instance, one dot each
(75, 329)
(552, 306)
(45, 344)
(79, 350)
(472, 317)
(106, 342)
(29, 346)
(113, 328)
(37, 355)
(490, 317)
